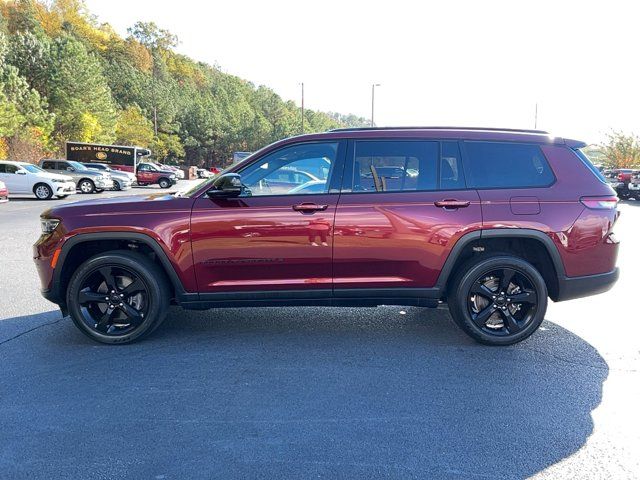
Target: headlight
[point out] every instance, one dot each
(173, 175)
(48, 225)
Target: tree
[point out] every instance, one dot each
(622, 150)
(133, 128)
(79, 94)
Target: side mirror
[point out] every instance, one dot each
(228, 185)
(71, 169)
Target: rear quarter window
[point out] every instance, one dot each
(506, 165)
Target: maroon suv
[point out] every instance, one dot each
(492, 222)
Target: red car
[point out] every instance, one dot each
(148, 174)
(492, 222)
(4, 193)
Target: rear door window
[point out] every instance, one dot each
(506, 165)
(394, 166)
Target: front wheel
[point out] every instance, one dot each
(117, 297)
(116, 186)
(164, 183)
(87, 186)
(42, 191)
(498, 300)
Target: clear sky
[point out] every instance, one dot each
(471, 63)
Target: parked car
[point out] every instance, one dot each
(87, 180)
(204, 173)
(171, 168)
(121, 180)
(4, 192)
(491, 222)
(23, 178)
(149, 173)
(634, 186)
(620, 180)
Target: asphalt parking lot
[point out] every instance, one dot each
(389, 392)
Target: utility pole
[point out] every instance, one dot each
(302, 106)
(535, 122)
(373, 96)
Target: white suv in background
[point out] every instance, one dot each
(24, 178)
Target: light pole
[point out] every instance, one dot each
(373, 97)
(535, 121)
(302, 105)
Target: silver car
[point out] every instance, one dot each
(87, 180)
(121, 180)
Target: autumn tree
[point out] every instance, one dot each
(622, 150)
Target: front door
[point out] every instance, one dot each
(145, 173)
(403, 207)
(278, 235)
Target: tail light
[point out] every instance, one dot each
(600, 203)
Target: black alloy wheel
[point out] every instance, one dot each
(118, 297)
(499, 300)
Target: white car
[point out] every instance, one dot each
(24, 178)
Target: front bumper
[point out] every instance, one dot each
(578, 287)
(104, 184)
(634, 186)
(67, 188)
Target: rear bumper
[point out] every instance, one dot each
(577, 287)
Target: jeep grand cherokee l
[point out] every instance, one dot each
(492, 222)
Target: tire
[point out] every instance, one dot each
(101, 282)
(86, 186)
(116, 186)
(479, 308)
(42, 191)
(164, 183)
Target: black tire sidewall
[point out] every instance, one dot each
(164, 183)
(470, 273)
(149, 272)
(45, 186)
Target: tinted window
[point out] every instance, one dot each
(451, 173)
(49, 165)
(8, 168)
(590, 166)
(392, 166)
(506, 165)
(292, 170)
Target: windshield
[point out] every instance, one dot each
(77, 165)
(199, 185)
(31, 168)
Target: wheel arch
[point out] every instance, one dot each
(79, 248)
(531, 245)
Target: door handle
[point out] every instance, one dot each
(452, 204)
(309, 207)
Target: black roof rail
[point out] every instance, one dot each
(485, 129)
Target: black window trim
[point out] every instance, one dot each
(347, 178)
(467, 173)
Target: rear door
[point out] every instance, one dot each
(277, 236)
(403, 206)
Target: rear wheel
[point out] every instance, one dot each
(498, 300)
(86, 186)
(116, 186)
(118, 297)
(42, 191)
(164, 183)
